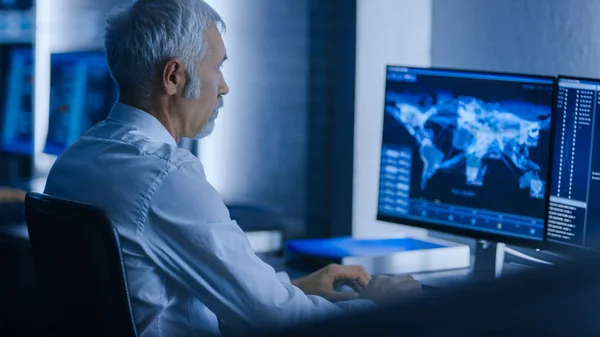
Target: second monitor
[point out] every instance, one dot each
(573, 221)
(81, 94)
(16, 98)
(466, 152)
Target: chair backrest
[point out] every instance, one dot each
(79, 268)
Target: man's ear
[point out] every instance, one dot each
(173, 77)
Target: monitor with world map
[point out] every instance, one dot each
(466, 152)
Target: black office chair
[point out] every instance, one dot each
(79, 268)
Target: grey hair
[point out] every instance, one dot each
(140, 37)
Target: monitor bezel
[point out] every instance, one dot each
(477, 235)
(553, 245)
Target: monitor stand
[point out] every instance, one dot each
(490, 263)
(488, 260)
(487, 264)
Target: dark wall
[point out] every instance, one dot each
(331, 117)
(529, 36)
(257, 152)
(285, 135)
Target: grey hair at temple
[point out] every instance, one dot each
(140, 37)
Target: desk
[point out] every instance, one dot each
(438, 279)
(279, 264)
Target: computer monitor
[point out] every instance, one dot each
(16, 98)
(17, 21)
(82, 93)
(466, 153)
(16, 4)
(574, 215)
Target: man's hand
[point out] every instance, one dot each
(323, 282)
(385, 289)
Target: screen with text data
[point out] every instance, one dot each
(466, 150)
(574, 212)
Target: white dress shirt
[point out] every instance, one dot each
(186, 261)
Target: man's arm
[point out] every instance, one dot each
(8, 195)
(189, 234)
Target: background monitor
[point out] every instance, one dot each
(466, 152)
(574, 215)
(82, 93)
(16, 4)
(16, 98)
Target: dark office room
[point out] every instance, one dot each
(299, 168)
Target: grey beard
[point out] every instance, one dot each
(210, 126)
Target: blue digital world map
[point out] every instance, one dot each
(502, 131)
(466, 150)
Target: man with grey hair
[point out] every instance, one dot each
(190, 268)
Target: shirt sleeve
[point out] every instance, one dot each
(189, 235)
(283, 277)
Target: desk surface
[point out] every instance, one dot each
(279, 264)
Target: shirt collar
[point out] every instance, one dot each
(142, 121)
